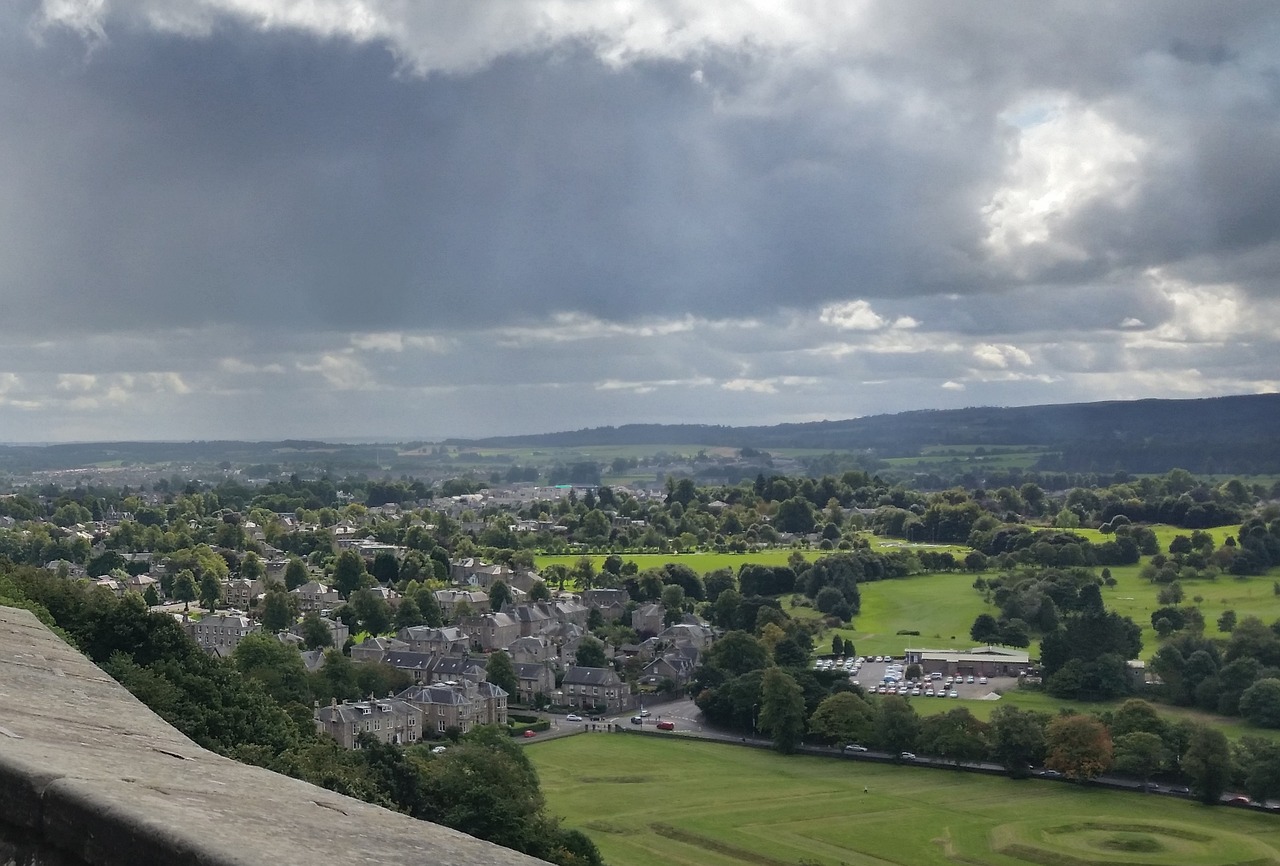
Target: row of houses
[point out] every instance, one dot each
(420, 712)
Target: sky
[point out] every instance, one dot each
(413, 219)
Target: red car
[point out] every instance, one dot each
(666, 726)
(528, 734)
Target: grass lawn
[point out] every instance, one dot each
(647, 801)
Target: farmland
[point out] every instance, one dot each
(647, 801)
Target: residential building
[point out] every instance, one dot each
(390, 720)
(534, 678)
(648, 618)
(460, 705)
(314, 595)
(587, 688)
(219, 633)
(490, 631)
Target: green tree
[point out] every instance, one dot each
(1078, 746)
(277, 611)
(348, 573)
(781, 709)
(499, 595)
(897, 725)
(737, 653)
(500, 671)
(315, 633)
(408, 614)
(276, 666)
(590, 654)
(954, 735)
(210, 592)
(1017, 739)
(251, 567)
(539, 591)
(1207, 763)
(372, 611)
(1139, 754)
(184, 588)
(844, 717)
(295, 574)
(1260, 703)
(430, 607)
(985, 629)
(150, 596)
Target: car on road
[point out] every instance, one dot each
(1048, 774)
(644, 714)
(636, 720)
(666, 726)
(1239, 801)
(573, 717)
(907, 756)
(854, 747)
(528, 734)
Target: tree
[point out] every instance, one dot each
(1017, 739)
(408, 614)
(295, 574)
(184, 588)
(500, 671)
(737, 653)
(150, 596)
(210, 592)
(590, 654)
(897, 725)
(1207, 763)
(430, 607)
(276, 666)
(315, 633)
(985, 629)
(781, 709)
(1227, 621)
(499, 595)
(844, 717)
(372, 611)
(1139, 754)
(1078, 746)
(955, 735)
(277, 611)
(1260, 703)
(539, 591)
(348, 573)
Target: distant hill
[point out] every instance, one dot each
(1238, 434)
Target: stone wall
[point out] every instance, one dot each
(89, 775)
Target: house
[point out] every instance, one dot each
(986, 661)
(490, 631)
(440, 641)
(534, 678)
(375, 649)
(648, 618)
(588, 688)
(240, 593)
(458, 705)
(449, 599)
(533, 649)
(533, 618)
(612, 603)
(314, 595)
(312, 660)
(672, 666)
(694, 634)
(427, 668)
(220, 633)
(391, 720)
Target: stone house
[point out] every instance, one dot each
(648, 618)
(391, 720)
(534, 678)
(449, 599)
(460, 705)
(314, 595)
(587, 688)
(441, 641)
(219, 633)
(490, 631)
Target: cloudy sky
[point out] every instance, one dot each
(404, 219)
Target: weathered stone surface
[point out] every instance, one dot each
(89, 775)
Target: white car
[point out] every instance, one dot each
(439, 750)
(573, 717)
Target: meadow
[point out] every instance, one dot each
(648, 800)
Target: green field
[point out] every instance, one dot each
(647, 801)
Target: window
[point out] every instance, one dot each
(441, 728)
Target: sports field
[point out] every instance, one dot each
(650, 801)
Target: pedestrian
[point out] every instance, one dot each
(866, 790)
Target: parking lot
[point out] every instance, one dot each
(870, 675)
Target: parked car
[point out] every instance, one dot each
(644, 714)
(854, 747)
(1239, 801)
(573, 717)
(666, 726)
(528, 734)
(907, 756)
(439, 750)
(636, 720)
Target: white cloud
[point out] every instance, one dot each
(1000, 356)
(341, 371)
(953, 386)
(857, 315)
(648, 387)
(768, 385)
(1065, 155)
(76, 382)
